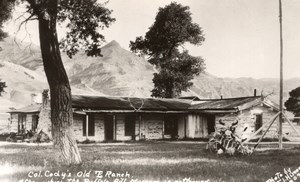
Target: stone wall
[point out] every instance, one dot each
(247, 119)
(77, 126)
(4, 123)
(100, 128)
(152, 126)
(78, 120)
(14, 123)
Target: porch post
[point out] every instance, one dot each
(87, 126)
(115, 127)
(10, 123)
(185, 119)
(19, 118)
(140, 120)
(163, 127)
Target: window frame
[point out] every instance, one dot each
(90, 131)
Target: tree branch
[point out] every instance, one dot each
(22, 15)
(25, 21)
(21, 24)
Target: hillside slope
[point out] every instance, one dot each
(118, 73)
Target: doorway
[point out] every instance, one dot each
(109, 127)
(211, 122)
(171, 126)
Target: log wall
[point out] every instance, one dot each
(247, 118)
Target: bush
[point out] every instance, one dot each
(12, 137)
(86, 141)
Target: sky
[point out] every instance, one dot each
(241, 36)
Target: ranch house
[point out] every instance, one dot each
(101, 118)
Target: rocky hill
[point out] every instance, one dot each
(118, 73)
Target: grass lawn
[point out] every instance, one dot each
(161, 161)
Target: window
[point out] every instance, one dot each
(89, 126)
(129, 125)
(35, 121)
(258, 122)
(21, 123)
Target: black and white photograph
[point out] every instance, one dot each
(149, 91)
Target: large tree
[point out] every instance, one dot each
(293, 103)
(5, 9)
(2, 86)
(83, 20)
(5, 13)
(164, 46)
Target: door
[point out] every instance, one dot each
(130, 126)
(211, 122)
(171, 126)
(109, 127)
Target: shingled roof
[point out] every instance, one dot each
(238, 103)
(129, 103)
(132, 104)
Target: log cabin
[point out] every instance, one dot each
(102, 118)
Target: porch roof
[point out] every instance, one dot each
(129, 103)
(33, 108)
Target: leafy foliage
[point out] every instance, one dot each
(6, 7)
(2, 86)
(175, 75)
(172, 28)
(293, 103)
(83, 18)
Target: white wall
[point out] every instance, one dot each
(196, 126)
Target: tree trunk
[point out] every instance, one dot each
(60, 90)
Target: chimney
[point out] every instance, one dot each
(36, 98)
(33, 98)
(45, 96)
(221, 97)
(254, 92)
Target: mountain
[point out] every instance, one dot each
(209, 86)
(117, 73)
(21, 81)
(22, 70)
